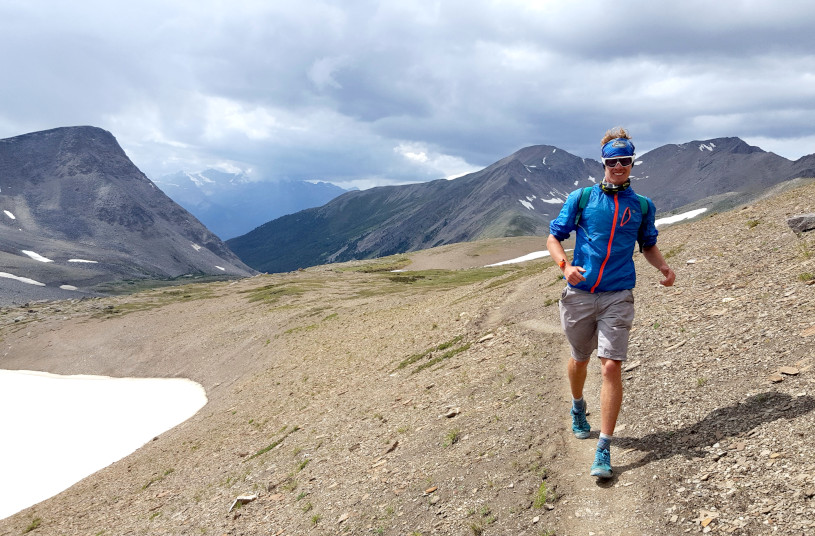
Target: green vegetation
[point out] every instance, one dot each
(36, 522)
(156, 299)
(806, 276)
(316, 519)
(132, 286)
(487, 517)
(442, 279)
(439, 359)
(700, 382)
(518, 272)
(274, 443)
(542, 496)
(158, 478)
(752, 223)
(416, 357)
(384, 264)
(452, 437)
(273, 292)
(300, 328)
(673, 251)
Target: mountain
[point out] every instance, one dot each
(76, 212)
(677, 175)
(518, 195)
(515, 196)
(230, 204)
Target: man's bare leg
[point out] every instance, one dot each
(611, 395)
(577, 378)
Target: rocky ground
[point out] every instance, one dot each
(349, 399)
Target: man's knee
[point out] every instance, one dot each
(612, 369)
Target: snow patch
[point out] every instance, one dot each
(36, 256)
(92, 435)
(529, 257)
(592, 179)
(82, 260)
(21, 279)
(196, 247)
(576, 182)
(9, 214)
(679, 217)
(199, 180)
(67, 287)
(638, 162)
(527, 204)
(220, 268)
(553, 201)
(544, 160)
(703, 147)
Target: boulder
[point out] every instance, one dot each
(802, 223)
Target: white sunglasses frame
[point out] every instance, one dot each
(633, 159)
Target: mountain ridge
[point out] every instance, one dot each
(516, 195)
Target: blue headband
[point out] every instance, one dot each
(618, 147)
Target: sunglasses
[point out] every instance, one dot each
(623, 161)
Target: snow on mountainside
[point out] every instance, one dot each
(77, 214)
(516, 196)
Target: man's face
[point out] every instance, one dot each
(618, 174)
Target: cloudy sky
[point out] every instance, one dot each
(364, 93)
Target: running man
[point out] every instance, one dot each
(597, 305)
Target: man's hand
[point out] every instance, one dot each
(573, 274)
(670, 276)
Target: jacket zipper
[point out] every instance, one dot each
(610, 241)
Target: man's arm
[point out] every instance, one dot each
(572, 274)
(655, 259)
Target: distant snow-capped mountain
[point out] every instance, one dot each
(230, 204)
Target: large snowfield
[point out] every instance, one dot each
(59, 429)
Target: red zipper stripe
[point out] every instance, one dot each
(610, 241)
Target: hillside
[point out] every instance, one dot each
(76, 214)
(516, 196)
(355, 400)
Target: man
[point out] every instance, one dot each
(597, 305)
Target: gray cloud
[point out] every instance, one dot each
(366, 93)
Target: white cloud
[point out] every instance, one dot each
(324, 90)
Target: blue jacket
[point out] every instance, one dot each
(608, 229)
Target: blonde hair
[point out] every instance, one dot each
(614, 133)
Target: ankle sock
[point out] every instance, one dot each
(578, 404)
(604, 442)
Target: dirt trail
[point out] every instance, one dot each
(587, 505)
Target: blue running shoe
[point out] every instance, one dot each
(601, 468)
(580, 426)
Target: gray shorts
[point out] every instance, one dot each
(599, 321)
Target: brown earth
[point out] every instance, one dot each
(434, 401)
